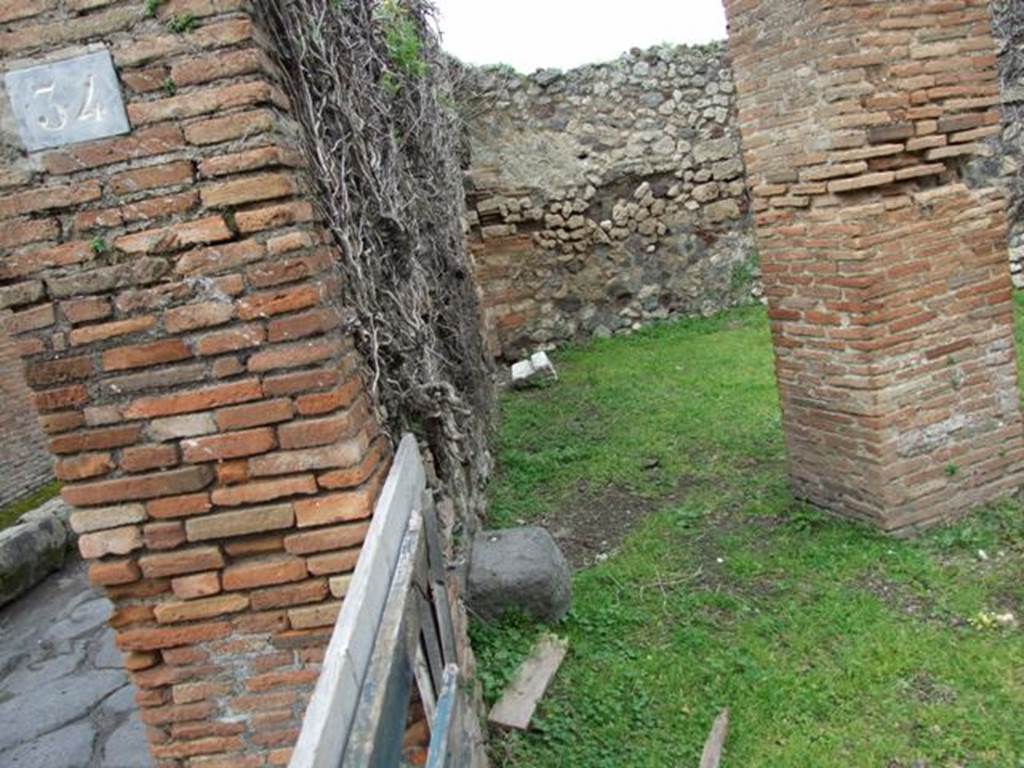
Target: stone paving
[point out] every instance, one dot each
(65, 701)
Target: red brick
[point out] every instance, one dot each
(33, 319)
(143, 142)
(85, 310)
(343, 454)
(27, 262)
(237, 126)
(343, 506)
(312, 616)
(55, 423)
(202, 608)
(170, 637)
(301, 326)
(262, 573)
(273, 216)
(139, 487)
(254, 414)
(140, 458)
(179, 562)
(232, 445)
(193, 316)
(179, 506)
(191, 401)
(48, 198)
(145, 355)
(17, 233)
(248, 189)
(12, 10)
(196, 585)
(84, 466)
(313, 432)
(240, 523)
(324, 539)
(294, 355)
(325, 402)
(203, 102)
(114, 541)
(342, 561)
(217, 66)
(159, 207)
(311, 591)
(264, 544)
(297, 678)
(212, 229)
(351, 477)
(302, 381)
(109, 572)
(48, 373)
(249, 160)
(187, 693)
(211, 746)
(258, 491)
(93, 333)
(96, 439)
(231, 340)
(158, 536)
(151, 177)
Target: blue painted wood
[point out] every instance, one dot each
(442, 730)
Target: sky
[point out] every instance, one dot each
(562, 34)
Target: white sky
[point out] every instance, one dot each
(536, 34)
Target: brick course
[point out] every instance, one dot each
(26, 462)
(885, 272)
(191, 374)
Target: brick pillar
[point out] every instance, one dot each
(174, 300)
(886, 275)
(26, 462)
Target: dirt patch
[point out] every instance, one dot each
(593, 526)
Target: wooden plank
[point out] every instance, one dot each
(443, 734)
(517, 704)
(438, 588)
(712, 755)
(428, 628)
(428, 694)
(375, 740)
(331, 709)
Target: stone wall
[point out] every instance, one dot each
(614, 194)
(884, 255)
(606, 196)
(25, 462)
(174, 297)
(1007, 161)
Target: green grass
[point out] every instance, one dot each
(9, 514)
(831, 645)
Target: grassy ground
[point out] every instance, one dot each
(9, 514)
(831, 645)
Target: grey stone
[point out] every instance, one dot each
(87, 617)
(28, 552)
(120, 702)
(68, 747)
(108, 656)
(54, 704)
(519, 568)
(126, 747)
(537, 369)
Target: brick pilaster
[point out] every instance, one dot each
(885, 271)
(175, 303)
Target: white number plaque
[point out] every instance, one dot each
(66, 102)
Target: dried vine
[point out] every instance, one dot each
(1008, 30)
(369, 84)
